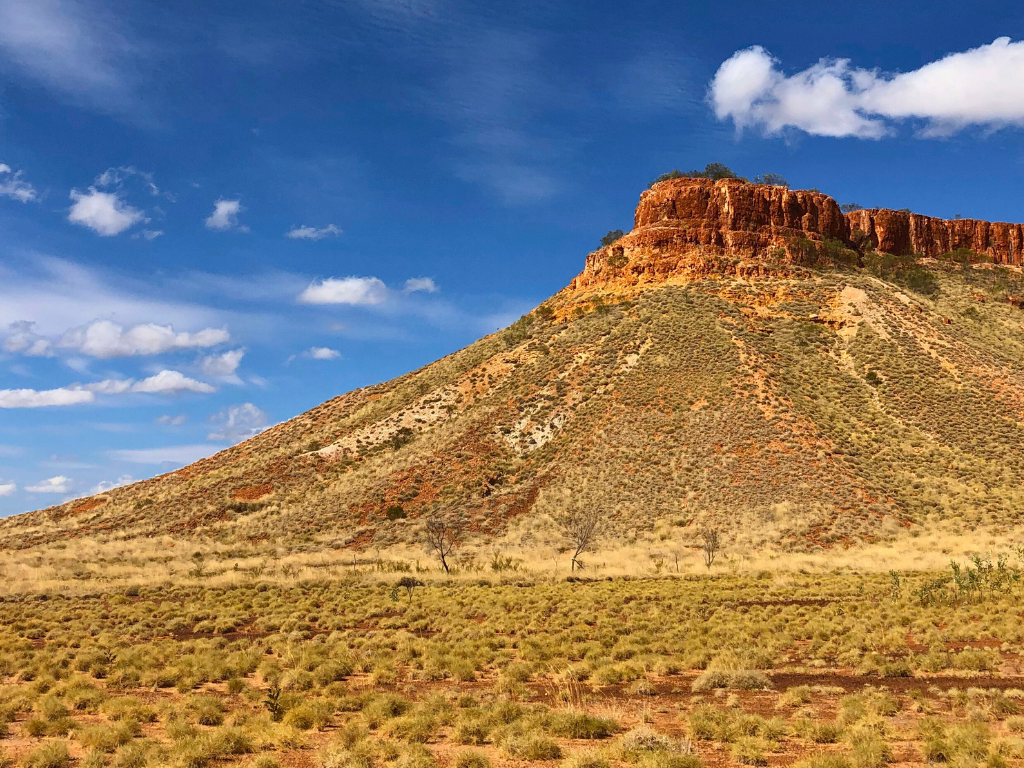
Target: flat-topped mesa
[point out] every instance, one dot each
(694, 228)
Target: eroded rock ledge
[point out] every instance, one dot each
(697, 227)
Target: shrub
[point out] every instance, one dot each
(531, 747)
(230, 741)
(309, 715)
(471, 759)
(611, 237)
(107, 737)
(587, 759)
(580, 725)
(748, 751)
(53, 754)
(208, 710)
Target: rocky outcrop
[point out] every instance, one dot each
(903, 233)
(693, 228)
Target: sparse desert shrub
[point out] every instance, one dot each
(532, 746)
(748, 751)
(580, 725)
(53, 754)
(471, 759)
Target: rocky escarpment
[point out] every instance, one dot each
(902, 233)
(693, 228)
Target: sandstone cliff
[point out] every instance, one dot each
(695, 227)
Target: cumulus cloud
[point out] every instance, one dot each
(323, 353)
(312, 233)
(104, 213)
(107, 485)
(223, 365)
(414, 284)
(152, 234)
(58, 484)
(106, 339)
(237, 423)
(6, 489)
(164, 383)
(225, 216)
(355, 291)
(22, 339)
(12, 185)
(978, 87)
(34, 398)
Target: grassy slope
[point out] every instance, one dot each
(814, 409)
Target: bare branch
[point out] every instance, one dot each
(580, 526)
(710, 544)
(443, 536)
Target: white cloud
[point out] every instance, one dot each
(58, 484)
(107, 485)
(323, 353)
(414, 284)
(152, 234)
(103, 212)
(237, 423)
(164, 383)
(223, 365)
(312, 233)
(6, 489)
(33, 398)
(73, 48)
(12, 185)
(22, 338)
(172, 454)
(225, 215)
(357, 291)
(106, 339)
(57, 295)
(172, 421)
(978, 87)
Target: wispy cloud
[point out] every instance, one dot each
(323, 353)
(237, 423)
(223, 366)
(14, 186)
(978, 87)
(173, 454)
(58, 484)
(76, 49)
(313, 233)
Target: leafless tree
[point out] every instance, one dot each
(711, 542)
(580, 525)
(443, 536)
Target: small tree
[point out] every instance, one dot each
(710, 544)
(611, 237)
(771, 179)
(443, 536)
(408, 583)
(580, 526)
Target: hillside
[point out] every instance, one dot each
(747, 354)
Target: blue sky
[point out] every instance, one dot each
(216, 215)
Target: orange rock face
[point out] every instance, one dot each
(904, 233)
(694, 228)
